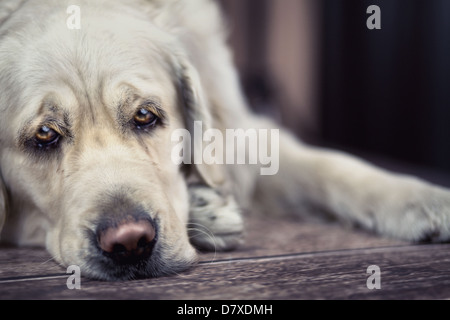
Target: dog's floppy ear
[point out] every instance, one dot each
(195, 108)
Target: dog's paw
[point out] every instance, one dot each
(435, 207)
(215, 221)
(418, 212)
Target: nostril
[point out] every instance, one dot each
(143, 242)
(128, 241)
(118, 248)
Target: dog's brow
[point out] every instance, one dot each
(131, 96)
(47, 106)
(132, 100)
(47, 112)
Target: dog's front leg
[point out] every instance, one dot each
(394, 205)
(353, 190)
(215, 222)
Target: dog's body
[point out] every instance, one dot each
(85, 143)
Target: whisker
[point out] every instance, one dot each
(200, 230)
(207, 232)
(48, 260)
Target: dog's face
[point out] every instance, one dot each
(85, 138)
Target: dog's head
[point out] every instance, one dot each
(85, 139)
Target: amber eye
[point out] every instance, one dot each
(144, 118)
(46, 136)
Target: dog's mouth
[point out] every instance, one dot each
(130, 266)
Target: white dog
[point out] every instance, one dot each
(89, 100)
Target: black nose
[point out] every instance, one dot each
(128, 241)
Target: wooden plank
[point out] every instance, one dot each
(268, 236)
(265, 237)
(409, 272)
(26, 262)
(276, 253)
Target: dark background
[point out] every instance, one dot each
(378, 92)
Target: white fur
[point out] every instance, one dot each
(173, 51)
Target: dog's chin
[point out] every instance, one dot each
(102, 268)
(98, 266)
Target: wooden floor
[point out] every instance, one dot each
(280, 260)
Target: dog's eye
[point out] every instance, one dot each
(46, 137)
(145, 118)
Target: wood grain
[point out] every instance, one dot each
(280, 260)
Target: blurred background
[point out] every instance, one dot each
(381, 94)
